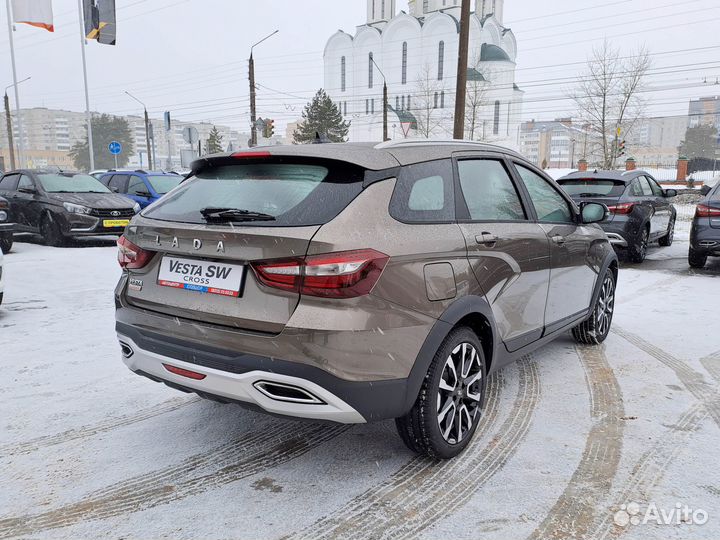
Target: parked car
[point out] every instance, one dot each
(705, 231)
(59, 205)
(142, 187)
(6, 226)
(355, 283)
(640, 210)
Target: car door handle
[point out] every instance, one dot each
(560, 240)
(486, 239)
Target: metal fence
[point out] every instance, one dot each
(685, 211)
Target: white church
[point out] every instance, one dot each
(416, 54)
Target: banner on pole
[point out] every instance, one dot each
(100, 21)
(34, 12)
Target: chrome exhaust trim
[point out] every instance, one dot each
(287, 392)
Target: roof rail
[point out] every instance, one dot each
(436, 142)
(140, 171)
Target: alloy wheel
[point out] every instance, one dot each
(644, 243)
(459, 393)
(605, 306)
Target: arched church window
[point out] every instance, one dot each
(496, 119)
(397, 103)
(435, 103)
(370, 70)
(442, 99)
(404, 62)
(342, 74)
(441, 60)
(408, 103)
(403, 102)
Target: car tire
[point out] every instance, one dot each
(695, 259)
(50, 231)
(428, 429)
(596, 328)
(638, 250)
(667, 240)
(6, 242)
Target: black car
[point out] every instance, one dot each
(705, 232)
(59, 205)
(6, 226)
(640, 210)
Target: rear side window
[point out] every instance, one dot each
(489, 192)
(295, 194)
(592, 187)
(118, 181)
(424, 193)
(9, 182)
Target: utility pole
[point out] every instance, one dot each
(8, 121)
(147, 131)
(385, 101)
(11, 143)
(253, 111)
(88, 116)
(18, 117)
(461, 90)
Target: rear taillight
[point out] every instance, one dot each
(131, 256)
(703, 210)
(344, 274)
(623, 208)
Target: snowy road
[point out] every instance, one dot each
(569, 435)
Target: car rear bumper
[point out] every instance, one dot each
(705, 239)
(232, 377)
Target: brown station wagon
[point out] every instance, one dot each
(360, 282)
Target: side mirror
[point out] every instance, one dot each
(670, 193)
(705, 190)
(593, 212)
(28, 190)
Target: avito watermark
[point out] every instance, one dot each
(680, 514)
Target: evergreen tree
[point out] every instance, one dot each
(214, 143)
(321, 116)
(106, 129)
(700, 142)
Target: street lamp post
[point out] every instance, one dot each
(8, 121)
(147, 131)
(253, 112)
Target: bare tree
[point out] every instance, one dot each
(476, 98)
(428, 101)
(608, 97)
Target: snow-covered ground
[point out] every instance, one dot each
(570, 437)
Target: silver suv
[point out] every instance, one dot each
(360, 282)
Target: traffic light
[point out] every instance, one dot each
(269, 130)
(621, 148)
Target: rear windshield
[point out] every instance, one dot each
(165, 182)
(294, 194)
(592, 187)
(71, 183)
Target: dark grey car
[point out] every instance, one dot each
(705, 232)
(360, 282)
(640, 210)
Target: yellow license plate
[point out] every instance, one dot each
(109, 223)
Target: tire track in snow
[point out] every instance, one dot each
(242, 457)
(649, 471)
(692, 380)
(575, 511)
(90, 430)
(712, 364)
(425, 491)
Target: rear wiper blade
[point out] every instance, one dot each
(234, 214)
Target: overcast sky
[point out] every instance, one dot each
(190, 56)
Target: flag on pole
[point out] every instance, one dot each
(100, 20)
(34, 12)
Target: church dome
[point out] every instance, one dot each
(493, 53)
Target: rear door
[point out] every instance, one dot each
(662, 206)
(572, 278)
(508, 252)
(648, 199)
(298, 195)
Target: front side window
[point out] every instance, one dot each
(424, 193)
(489, 191)
(119, 182)
(549, 204)
(25, 182)
(645, 186)
(656, 189)
(137, 186)
(71, 183)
